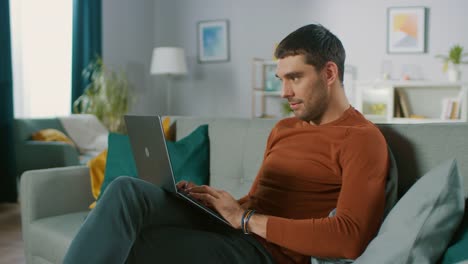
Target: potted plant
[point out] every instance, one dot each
(452, 62)
(107, 96)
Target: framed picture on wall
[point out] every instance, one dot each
(213, 41)
(406, 27)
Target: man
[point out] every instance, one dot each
(328, 158)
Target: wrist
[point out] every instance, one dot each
(245, 220)
(238, 218)
(258, 224)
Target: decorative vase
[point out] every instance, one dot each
(453, 72)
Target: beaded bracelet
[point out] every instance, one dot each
(245, 220)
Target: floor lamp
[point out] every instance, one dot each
(168, 61)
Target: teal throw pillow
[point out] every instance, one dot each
(190, 158)
(119, 160)
(457, 251)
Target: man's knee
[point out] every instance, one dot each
(123, 181)
(122, 185)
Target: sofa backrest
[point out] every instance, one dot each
(237, 146)
(420, 147)
(236, 149)
(25, 127)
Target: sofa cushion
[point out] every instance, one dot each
(457, 251)
(236, 152)
(419, 227)
(58, 231)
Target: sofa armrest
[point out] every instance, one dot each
(34, 155)
(51, 192)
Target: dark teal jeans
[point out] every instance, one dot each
(137, 222)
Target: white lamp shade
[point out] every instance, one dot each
(168, 60)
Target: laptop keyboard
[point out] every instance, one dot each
(199, 203)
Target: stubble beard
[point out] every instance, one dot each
(314, 108)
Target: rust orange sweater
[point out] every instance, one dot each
(308, 171)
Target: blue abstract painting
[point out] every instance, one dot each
(213, 39)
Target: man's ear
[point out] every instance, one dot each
(331, 72)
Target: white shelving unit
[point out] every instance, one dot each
(424, 101)
(262, 90)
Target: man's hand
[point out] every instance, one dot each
(184, 185)
(221, 200)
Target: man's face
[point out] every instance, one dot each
(304, 88)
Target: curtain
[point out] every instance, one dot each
(87, 41)
(8, 189)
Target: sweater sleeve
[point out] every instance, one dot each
(364, 162)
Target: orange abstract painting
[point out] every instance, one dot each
(406, 26)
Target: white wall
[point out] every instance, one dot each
(128, 33)
(361, 26)
(224, 89)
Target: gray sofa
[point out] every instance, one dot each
(31, 155)
(54, 202)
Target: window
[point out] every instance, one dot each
(41, 33)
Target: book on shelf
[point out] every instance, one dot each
(404, 103)
(451, 108)
(396, 106)
(455, 113)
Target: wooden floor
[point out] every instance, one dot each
(11, 243)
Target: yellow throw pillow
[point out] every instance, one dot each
(168, 134)
(51, 134)
(97, 165)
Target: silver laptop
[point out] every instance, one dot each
(152, 159)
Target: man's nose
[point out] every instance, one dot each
(286, 90)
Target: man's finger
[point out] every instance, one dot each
(205, 197)
(205, 189)
(182, 185)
